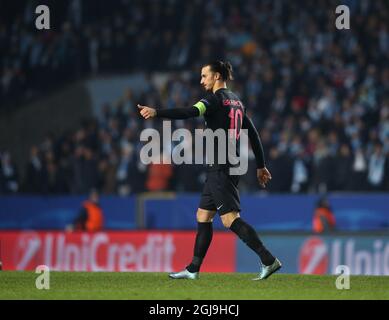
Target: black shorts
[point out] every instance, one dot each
(220, 192)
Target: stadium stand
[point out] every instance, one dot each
(320, 96)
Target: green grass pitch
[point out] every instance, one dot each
(210, 286)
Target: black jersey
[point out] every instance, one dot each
(222, 111)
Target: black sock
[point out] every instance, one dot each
(203, 240)
(248, 235)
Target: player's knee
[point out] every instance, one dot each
(204, 220)
(226, 223)
(229, 218)
(204, 216)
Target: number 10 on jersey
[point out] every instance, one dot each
(236, 116)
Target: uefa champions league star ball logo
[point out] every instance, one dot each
(313, 257)
(27, 248)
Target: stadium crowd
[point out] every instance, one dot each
(319, 96)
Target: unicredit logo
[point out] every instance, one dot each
(94, 252)
(313, 257)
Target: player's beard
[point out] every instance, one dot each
(208, 90)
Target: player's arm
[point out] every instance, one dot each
(255, 141)
(198, 109)
(262, 173)
(176, 113)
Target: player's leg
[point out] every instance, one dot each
(205, 214)
(248, 235)
(202, 242)
(203, 238)
(226, 195)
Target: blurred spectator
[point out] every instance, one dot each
(323, 217)
(321, 167)
(107, 173)
(123, 171)
(159, 175)
(280, 165)
(376, 170)
(90, 217)
(51, 179)
(358, 172)
(300, 175)
(34, 172)
(343, 169)
(8, 174)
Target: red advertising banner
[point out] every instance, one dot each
(113, 251)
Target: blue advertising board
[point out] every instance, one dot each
(362, 212)
(276, 212)
(55, 213)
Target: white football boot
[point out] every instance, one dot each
(184, 274)
(267, 271)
